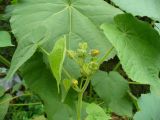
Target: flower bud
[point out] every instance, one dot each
(93, 66)
(83, 46)
(81, 53)
(74, 82)
(71, 54)
(95, 52)
(85, 71)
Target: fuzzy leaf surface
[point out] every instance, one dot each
(149, 107)
(79, 19)
(138, 46)
(5, 39)
(113, 88)
(150, 8)
(40, 80)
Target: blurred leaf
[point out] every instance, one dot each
(40, 80)
(148, 8)
(95, 112)
(65, 87)
(5, 39)
(2, 91)
(4, 104)
(157, 27)
(149, 107)
(39, 118)
(113, 88)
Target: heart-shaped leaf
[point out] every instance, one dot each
(113, 88)
(138, 46)
(51, 19)
(5, 39)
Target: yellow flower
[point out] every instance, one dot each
(95, 52)
(74, 82)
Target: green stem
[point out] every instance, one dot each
(28, 104)
(15, 97)
(105, 56)
(67, 73)
(80, 98)
(44, 51)
(117, 66)
(4, 61)
(134, 99)
(79, 105)
(90, 90)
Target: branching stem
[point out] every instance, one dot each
(80, 98)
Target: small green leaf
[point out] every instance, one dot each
(149, 107)
(5, 39)
(4, 104)
(56, 59)
(115, 95)
(95, 112)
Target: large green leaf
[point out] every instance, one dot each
(149, 107)
(26, 48)
(4, 104)
(40, 80)
(5, 39)
(56, 59)
(150, 8)
(95, 112)
(138, 46)
(51, 19)
(113, 88)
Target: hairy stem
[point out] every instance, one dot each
(80, 98)
(79, 105)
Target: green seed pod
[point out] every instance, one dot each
(71, 54)
(85, 71)
(83, 46)
(93, 66)
(81, 53)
